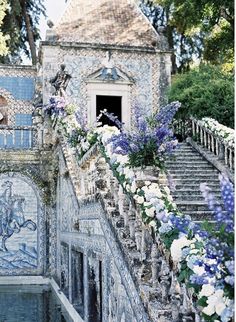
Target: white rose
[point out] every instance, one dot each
(207, 290)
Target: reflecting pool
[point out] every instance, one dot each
(30, 304)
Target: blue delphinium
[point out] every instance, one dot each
(150, 140)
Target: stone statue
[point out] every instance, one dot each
(60, 81)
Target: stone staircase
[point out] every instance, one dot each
(188, 170)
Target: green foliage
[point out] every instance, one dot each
(206, 91)
(146, 156)
(169, 237)
(185, 273)
(202, 301)
(21, 23)
(3, 39)
(203, 29)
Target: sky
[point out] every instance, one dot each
(54, 10)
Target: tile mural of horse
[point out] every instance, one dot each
(12, 216)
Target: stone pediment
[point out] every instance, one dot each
(109, 74)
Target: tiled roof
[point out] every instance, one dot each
(116, 22)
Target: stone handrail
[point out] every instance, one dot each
(18, 137)
(207, 139)
(148, 261)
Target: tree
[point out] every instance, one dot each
(3, 39)
(206, 91)
(194, 29)
(21, 22)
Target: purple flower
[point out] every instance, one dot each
(150, 140)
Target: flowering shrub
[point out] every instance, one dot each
(151, 139)
(74, 128)
(223, 132)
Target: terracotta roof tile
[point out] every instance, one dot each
(116, 22)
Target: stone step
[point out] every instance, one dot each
(192, 205)
(192, 196)
(196, 180)
(182, 158)
(196, 170)
(191, 192)
(197, 163)
(184, 151)
(188, 170)
(187, 175)
(200, 215)
(195, 186)
(189, 166)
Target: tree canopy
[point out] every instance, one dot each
(21, 23)
(206, 91)
(195, 29)
(3, 39)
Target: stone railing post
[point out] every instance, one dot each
(221, 151)
(156, 265)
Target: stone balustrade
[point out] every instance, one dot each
(18, 137)
(207, 139)
(149, 262)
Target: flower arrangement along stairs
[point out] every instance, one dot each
(188, 170)
(180, 269)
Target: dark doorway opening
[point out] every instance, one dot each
(112, 104)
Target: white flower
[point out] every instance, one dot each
(122, 159)
(167, 190)
(193, 251)
(176, 247)
(85, 145)
(139, 199)
(209, 310)
(216, 303)
(220, 307)
(199, 270)
(150, 212)
(207, 290)
(153, 224)
(129, 174)
(133, 187)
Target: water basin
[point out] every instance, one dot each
(32, 303)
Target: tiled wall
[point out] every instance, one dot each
(22, 88)
(21, 226)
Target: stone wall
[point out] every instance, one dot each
(90, 266)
